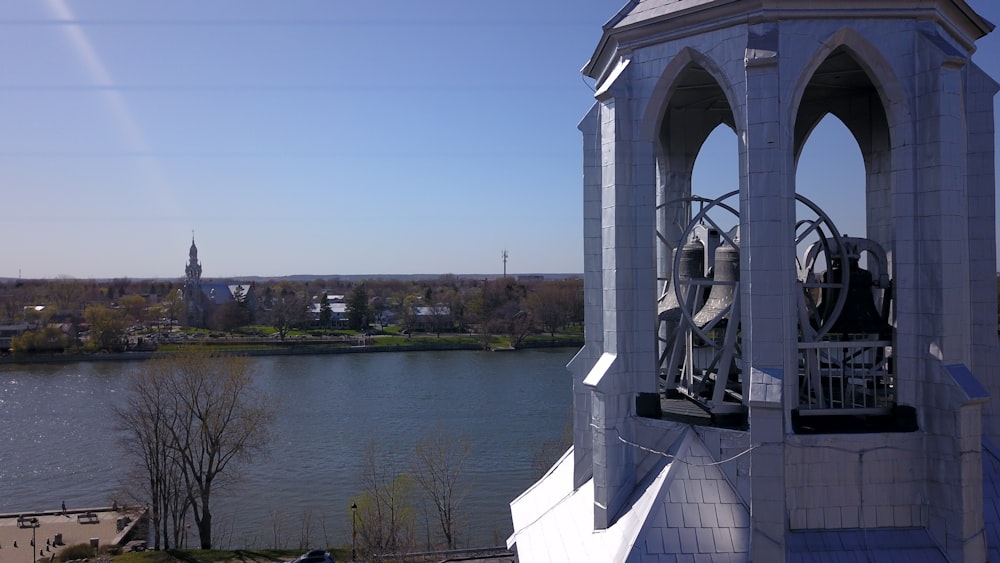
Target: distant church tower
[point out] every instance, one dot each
(754, 386)
(194, 299)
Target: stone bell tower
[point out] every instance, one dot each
(194, 300)
(756, 385)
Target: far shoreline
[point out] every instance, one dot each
(294, 349)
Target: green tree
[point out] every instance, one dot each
(358, 311)
(134, 307)
(107, 328)
(325, 313)
(46, 339)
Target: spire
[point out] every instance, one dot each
(193, 268)
(193, 253)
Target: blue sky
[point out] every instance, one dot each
(311, 137)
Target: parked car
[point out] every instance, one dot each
(315, 556)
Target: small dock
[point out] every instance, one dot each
(43, 534)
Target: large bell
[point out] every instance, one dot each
(859, 315)
(720, 299)
(692, 266)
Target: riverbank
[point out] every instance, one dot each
(262, 347)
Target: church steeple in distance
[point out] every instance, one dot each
(193, 268)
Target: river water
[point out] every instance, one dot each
(57, 442)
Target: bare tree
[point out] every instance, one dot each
(143, 422)
(206, 416)
(386, 513)
(549, 451)
(66, 293)
(441, 319)
(173, 307)
(497, 310)
(438, 464)
(288, 310)
(551, 306)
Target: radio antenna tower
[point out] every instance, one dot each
(503, 255)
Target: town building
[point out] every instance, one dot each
(204, 299)
(756, 386)
(436, 318)
(9, 331)
(338, 311)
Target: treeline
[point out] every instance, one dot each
(91, 314)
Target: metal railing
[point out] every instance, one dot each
(849, 376)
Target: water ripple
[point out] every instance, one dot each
(62, 446)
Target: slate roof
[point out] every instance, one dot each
(909, 545)
(219, 293)
(686, 511)
(642, 10)
(649, 9)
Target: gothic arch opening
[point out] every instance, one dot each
(717, 167)
(840, 86)
(830, 172)
(844, 229)
(695, 108)
(698, 161)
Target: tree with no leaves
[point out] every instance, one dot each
(386, 513)
(203, 415)
(438, 464)
(142, 421)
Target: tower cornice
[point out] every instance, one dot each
(645, 22)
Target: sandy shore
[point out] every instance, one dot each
(75, 526)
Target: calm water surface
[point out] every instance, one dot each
(57, 442)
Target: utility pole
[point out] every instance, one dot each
(503, 255)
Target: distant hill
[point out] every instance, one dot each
(358, 277)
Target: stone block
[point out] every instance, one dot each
(849, 517)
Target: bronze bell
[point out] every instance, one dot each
(692, 266)
(726, 275)
(859, 315)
